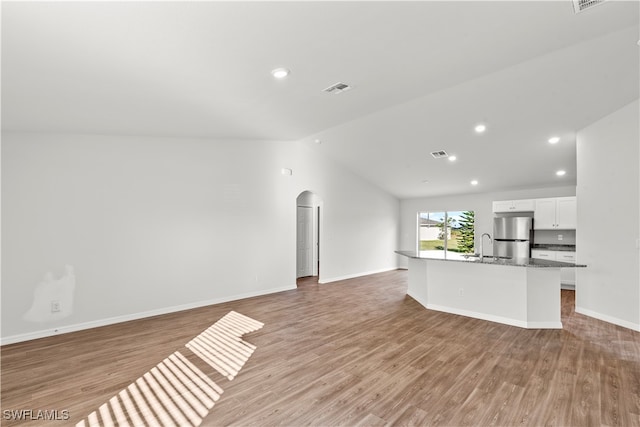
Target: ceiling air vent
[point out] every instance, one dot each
(439, 154)
(337, 88)
(581, 5)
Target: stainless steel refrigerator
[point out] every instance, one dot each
(512, 237)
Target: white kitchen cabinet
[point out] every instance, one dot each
(557, 213)
(567, 275)
(565, 256)
(544, 215)
(525, 205)
(566, 213)
(543, 254)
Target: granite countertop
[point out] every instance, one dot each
(551, 247)
(510, 262)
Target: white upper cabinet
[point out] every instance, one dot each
(558, 213)
(544, 215)
(566, 213)
(527, 205)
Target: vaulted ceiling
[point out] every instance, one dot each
(423, 74)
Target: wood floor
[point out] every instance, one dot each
(356, 352)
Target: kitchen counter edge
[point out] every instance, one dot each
(517, 262)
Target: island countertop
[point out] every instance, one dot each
(510, 262)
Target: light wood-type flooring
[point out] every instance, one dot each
(356, 352)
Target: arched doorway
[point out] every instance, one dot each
(308, 214)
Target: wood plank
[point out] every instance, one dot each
(354, 352)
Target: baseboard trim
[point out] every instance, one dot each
(477, 315)
(468, 313)
(608, 319)
(544, 325)
(417, 299)
(44, 333)
(353, 276)
(493, 318)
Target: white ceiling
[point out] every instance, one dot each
(424, 73)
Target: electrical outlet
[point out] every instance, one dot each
(559, 236)
(461, 292)
(55, 306)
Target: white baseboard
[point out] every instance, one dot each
(418, 299)
(12, 339)
(353, 276)
(467, 313)
(476, 315)
(544, 325)
(609, 319)
(497, 319)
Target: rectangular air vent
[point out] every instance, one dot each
(581, 5)
(337, 88)
(439, 154)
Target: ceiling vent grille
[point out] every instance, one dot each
(337, 88)
(582, 5)
(439, 154)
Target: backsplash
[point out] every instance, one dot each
(551, 237)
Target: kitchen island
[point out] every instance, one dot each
(521, 292)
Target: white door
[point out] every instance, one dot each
(305, 241)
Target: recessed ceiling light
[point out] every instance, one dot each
(280, 73)
(317, 141)
(474, 182)
(561, 172)
(480, 128)
(452, 158)
(425, 181)
(554, 140)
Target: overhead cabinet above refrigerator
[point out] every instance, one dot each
(527, 205)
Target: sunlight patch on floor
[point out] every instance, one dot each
(176, 392)
(222, 346)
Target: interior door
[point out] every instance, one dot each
(305, 241)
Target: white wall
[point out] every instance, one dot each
(608, 200)
(481, 203)
(153, 225)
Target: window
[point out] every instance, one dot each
(446, 234)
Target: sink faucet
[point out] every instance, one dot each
(482, 245)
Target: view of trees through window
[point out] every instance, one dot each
(446, 234)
